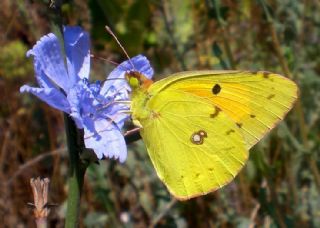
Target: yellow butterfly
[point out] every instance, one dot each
(198, 126)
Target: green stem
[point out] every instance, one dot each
(77, 169)
(168, 26)
(224, 34)
(77, 166)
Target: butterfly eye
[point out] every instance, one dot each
(133, 82)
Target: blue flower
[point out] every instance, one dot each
(99, 109)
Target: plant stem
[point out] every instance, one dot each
(77, 169)
(225, 34)
(169, 27)
(77, 166)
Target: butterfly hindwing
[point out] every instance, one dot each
(193, 152)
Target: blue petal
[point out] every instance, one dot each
(108, 142)
(142, 65)
(138, 63)
(119, 119)
(42, 79)
(113, 86)
(74, 98)
(115, 114)
(52, 97)
(77, 46)
(48, 57)
(112, 108)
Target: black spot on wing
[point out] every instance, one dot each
(230, 131)
(229, 148)
(216, 89)
(239, 125)
(270, 96)
(216, 112)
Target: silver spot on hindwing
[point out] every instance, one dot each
(198, 137)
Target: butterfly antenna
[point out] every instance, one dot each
(118, 42)
(104, 59)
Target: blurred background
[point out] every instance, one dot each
(280, 185)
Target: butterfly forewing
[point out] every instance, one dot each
(255, 101)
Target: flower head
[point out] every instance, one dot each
(99, 109)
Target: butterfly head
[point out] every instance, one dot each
(137, 80)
